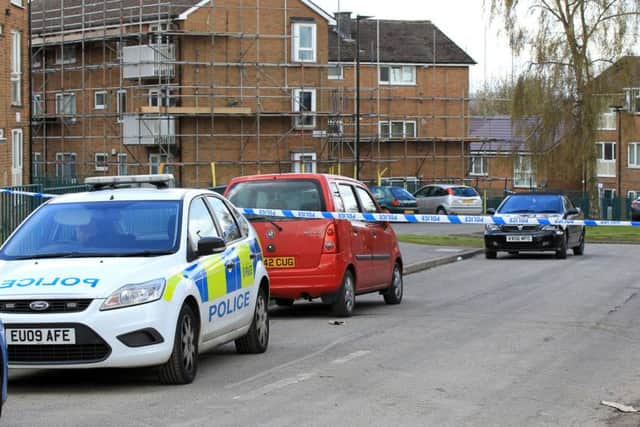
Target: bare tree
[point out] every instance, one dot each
(568, 41)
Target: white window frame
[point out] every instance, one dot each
(155, 160)
(37, 109)
(633, 153)
(17, 3)
(61, 162)
(17, 156)
(37, 59)
(389, 125)
(102, 162)
(632, 96)
(524, 175)
(36, 164)
(335, 127)
(96, 104)
(607, 120)
(299, 159)
(66, 54)
(605, 167)
(483, 170)
(299, 121)
(297, 49)
(632, 195)
(16, 67)
(123, 167)
(403, 71)
(121, 104)
(68, 104)
(339, 76)
(2, 136)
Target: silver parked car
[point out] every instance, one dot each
(444, 199)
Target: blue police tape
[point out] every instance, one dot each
(27, 193)
(403, 218)
(434, 219)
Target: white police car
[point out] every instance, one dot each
(125, 277)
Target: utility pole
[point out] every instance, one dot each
(356, 148)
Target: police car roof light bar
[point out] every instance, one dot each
(127, 181)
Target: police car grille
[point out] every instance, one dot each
(63, 353)
(55, 306)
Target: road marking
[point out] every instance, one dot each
(448, 250)
(286, 382)
(351, 356)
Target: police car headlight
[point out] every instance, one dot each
(135, 294)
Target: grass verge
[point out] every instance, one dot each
(604, 234)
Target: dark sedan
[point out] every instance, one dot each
(509, 236)
(635, 209)
(395, 199)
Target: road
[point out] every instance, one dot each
(524, 341)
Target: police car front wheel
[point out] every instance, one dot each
(182, 365)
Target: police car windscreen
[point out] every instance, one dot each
(114, 228)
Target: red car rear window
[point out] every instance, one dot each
(291, 194)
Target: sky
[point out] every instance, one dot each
(463, 21)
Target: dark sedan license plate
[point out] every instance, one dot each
(519, 238)
(280, 262)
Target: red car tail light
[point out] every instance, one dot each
(395, 202)
(330, 244)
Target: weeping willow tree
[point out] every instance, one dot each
(569, 42)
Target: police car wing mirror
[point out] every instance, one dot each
(210, 245)
(571, 212)
(491, 211)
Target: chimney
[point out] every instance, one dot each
(343, 21)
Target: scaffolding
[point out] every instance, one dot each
(129, 86)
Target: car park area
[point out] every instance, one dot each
(462, 351)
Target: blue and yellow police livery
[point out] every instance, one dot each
(124, 277)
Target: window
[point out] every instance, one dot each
(304, 42)
(304, 162)
(478, 166)
(122, 164)
(66, 54)
(304, 102)
(606, 160)
(155, 160)
(368, 205)
(2, 137)
(334, 127)
(16, 67)
(634, 155)
(36, 164)
(121, 104)
(102, 161)
(397, 129)
(17, 145)
(523, 174)
(200, 224)
(226, 220)
(100, 100)
(335, 72)
(348, 198)
(66, 104)
(161, 98)
(37, 109)
(632, 195)
(633, 100)
(17, 3)
(607, 120)
(397, 75)
(37, 58)
(65, 165)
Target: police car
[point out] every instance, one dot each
(126, 277)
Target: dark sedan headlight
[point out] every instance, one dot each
(491, 227)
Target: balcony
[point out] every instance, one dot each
(606, 168)
(148, 130)
(150, 61)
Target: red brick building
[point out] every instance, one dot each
(14, 92)
(218, 89)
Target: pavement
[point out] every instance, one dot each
(423, 257)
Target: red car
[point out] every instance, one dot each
(321, 258)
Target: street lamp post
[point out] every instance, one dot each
(356, 147)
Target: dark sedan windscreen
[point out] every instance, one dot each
(291, 194)
(401, 194)
(104, 229)
(532, 204)
(464, 192)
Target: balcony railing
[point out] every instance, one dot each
(148, 61)
(148, 130)
(606, 168)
